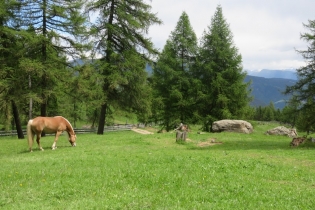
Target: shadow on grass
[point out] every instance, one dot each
(48, 148)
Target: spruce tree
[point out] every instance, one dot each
(223, 94)
(172, 75)
(120, 36)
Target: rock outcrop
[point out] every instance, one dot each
(282, 131)
(239, 126)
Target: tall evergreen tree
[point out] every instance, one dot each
(119, 33)
(60, 24)
(304, 89)
(11, 78)
(223, 94)
(172, 75)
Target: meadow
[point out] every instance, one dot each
(128, 170)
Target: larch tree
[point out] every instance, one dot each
(11, 78)
(223, 93)
(290, 113)
(59, 26)
(171, 77)
(120, 36)
(304, 89)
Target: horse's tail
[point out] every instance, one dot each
(30, 136)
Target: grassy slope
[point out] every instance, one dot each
(126, 170)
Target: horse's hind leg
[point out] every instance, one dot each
(38, 135)
(31, 141)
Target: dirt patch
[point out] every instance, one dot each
(151, 129)
(209, 142)
(188, 140)
(141, 131)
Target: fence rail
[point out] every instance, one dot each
(123, 127)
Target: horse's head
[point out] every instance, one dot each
(72, 139)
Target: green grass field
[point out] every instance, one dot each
(127, 170)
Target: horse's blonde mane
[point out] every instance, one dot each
(67, 122)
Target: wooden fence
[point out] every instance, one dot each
(124, 127)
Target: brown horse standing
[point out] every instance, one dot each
(55, 125)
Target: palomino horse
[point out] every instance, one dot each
(55, 125)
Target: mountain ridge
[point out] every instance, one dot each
(266, 90)
(268, 73)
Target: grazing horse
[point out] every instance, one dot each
(55, 125)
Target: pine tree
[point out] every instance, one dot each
(172, 75)
(223, 93)
(304, 89)
(119, 34)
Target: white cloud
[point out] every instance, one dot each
(265, 32)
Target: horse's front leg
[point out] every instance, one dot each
(53, 147)
(38, 135)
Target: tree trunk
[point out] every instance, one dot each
(178, 135)
(17, 120)
(74, 115)
(109, 51)
(95, 115)
(30, 112)
(43, 106)
(101, 122)
(43, 110)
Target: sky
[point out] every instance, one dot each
(266, 33)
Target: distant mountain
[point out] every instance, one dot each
(266, 73)
(265, 90)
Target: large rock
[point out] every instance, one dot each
(239, 126)
(282, 131)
